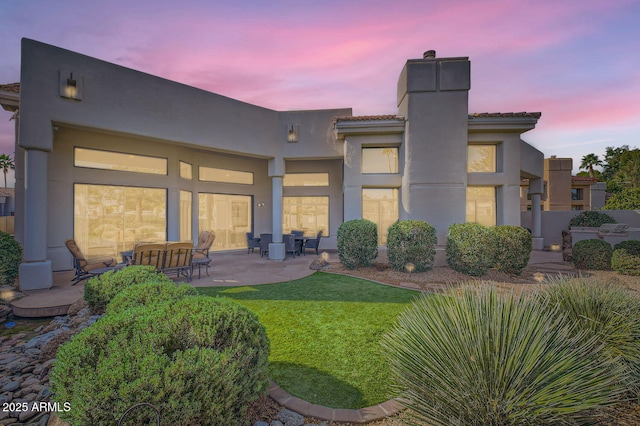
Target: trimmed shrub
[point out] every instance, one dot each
(148, 294)
(411, 241)
(98, 291)
(592, 254)
(200, 360)
(512, 248)
(470, 248)
(605, 312)
(474, 356)
(631, 246)
(591, 218)
(10, 258)
(625, 263)
(357, 243)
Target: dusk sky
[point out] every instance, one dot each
(576, 61)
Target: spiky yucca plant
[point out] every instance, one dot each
(606, 312)
(476, 357)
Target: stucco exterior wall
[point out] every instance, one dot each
(433, 98)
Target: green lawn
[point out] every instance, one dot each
(325, 331)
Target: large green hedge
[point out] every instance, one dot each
(625, 262)
(631, 246)
(148, 294)
(511, 248)
(592, 254)
(411, 242)
(200, 360)
(357, 243)
(10, 259)
(470, 248)
(591, 218)
(99, 291)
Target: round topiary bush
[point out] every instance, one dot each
(411, 242)
(470, 248)
(98, 291)
(149, 293)
(631, 246)
(10, 259)
(475, 356)
(199, 360)
(512, 248)
(357, 243)
(625, 262)
(591, 218)
(592, 254)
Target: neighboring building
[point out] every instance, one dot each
(7, 210)
(111, 156)
(562, 191)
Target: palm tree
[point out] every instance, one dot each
(588, 161)
(6, 163)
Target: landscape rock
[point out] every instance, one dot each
(290, 418)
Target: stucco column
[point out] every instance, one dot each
(276, 172)
(535, 189)
(35, 271)
(276, 248)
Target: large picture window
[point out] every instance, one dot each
(212, 174)
(380, 205)
(229, 216)
(111, 219)
(481, 205)
(107, 160)
(380, 160)
(308, 214)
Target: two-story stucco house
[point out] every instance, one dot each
(111, 156)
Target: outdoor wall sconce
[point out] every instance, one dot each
(292, 133)
(71, 85)
(260, 204)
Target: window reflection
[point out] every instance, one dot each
(107, 160)
(111, 219)
(212, 174)
(229, 216)
(185, 215)
(306, 179)
(380, 205)
(308, 214)
(481, 205)
(481, 159)
(380, 160)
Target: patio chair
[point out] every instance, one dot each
(265, 240)
(313, 243)
(201, 251)
(149, 254)
(252, 242)
(291, 245)
(178, 258)
(87, 268)
(298, 234)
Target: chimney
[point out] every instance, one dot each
(429, 54)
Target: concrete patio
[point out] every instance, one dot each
(227, 269)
